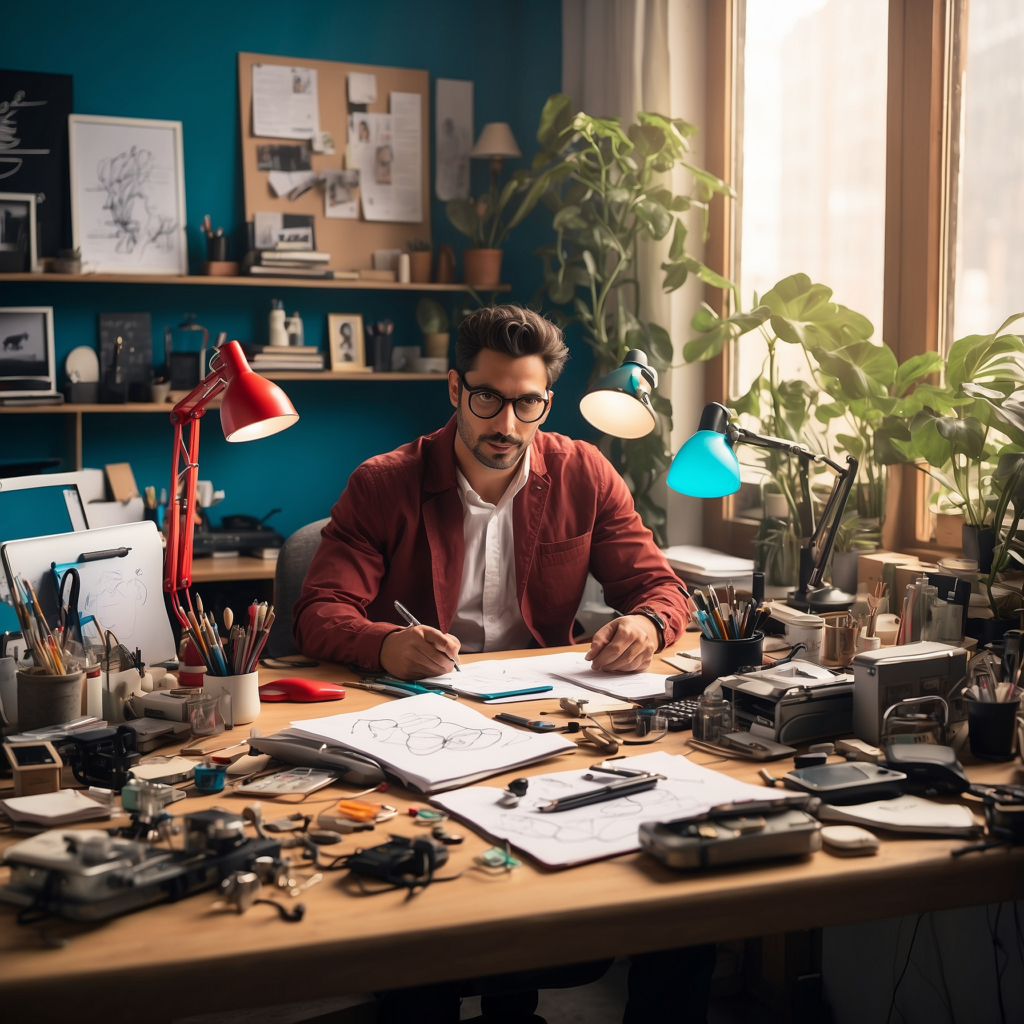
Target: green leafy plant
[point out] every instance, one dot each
(431, 316)
(603, 183)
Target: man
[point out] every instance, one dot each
(486, 530)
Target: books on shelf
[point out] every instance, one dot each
(284, 357)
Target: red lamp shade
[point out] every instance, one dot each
(251, 406)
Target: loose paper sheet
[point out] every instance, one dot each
(362, 87)
(453, 112)
(341, 194)
(605, 829)
(387, 150)
(285, 102)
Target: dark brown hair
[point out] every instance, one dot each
(513, 331)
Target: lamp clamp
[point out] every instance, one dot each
(648, 372)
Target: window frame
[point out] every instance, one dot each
(925, 78)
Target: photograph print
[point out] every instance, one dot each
(128, 194)
(26, 350)
(345, 337)
(17, 232)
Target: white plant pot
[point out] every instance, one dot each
(244, 691)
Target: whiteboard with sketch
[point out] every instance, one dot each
(124, 594)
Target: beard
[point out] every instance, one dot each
(475, 443)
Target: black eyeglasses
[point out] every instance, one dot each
(486, 403)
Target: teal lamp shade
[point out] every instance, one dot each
(706, 466)
(619, 403)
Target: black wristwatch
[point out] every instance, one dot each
(659, 623)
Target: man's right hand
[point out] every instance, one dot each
(418, 652)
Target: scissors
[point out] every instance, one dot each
(69, 615)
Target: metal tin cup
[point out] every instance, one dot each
(48, 700)
(990, 728)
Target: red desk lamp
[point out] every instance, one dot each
(252, 407)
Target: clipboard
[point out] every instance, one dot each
(121, 581)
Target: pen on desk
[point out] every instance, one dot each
(413, 621)
(623, 787)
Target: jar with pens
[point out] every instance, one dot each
(731, 637)
(231, 660)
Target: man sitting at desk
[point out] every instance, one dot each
(486, 529)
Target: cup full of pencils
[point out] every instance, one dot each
(232, 657)
(50, 691)
(730, 632)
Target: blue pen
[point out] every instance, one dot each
(509, 693)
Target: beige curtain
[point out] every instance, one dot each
(618, 57)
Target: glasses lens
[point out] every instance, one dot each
(530, 408)
(484, 404)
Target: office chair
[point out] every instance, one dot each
(292, 566)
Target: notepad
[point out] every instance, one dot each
(432, 744)
(64, 807)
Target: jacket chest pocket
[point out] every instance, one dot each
(562, 568)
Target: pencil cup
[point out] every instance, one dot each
(48, 700)
(990, 728)
(244, 691)
(726, 657)
(8, 691)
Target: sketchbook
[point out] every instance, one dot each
(431, 743)
(568, 675)
(596, 831)
(911, 815)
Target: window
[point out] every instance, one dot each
(990, 210)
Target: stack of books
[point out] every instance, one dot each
(282, 357)
(286, 262)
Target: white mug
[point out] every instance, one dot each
(244, 691)
(806, 629)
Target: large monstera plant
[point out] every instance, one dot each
(605, 189)
(854, 397)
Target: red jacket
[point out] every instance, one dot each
(396, 533)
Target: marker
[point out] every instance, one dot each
(413, 621)
(526, 723)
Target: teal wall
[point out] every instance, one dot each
(179, 62)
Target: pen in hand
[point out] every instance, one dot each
(413, 621)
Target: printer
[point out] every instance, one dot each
(890, 675)
(798, 702)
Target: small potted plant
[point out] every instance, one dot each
(420, 258)
(433, 322)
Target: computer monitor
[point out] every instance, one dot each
(35, 512)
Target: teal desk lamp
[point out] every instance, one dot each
(619, 403)
(706, 467)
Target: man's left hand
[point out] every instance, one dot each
(626, 644)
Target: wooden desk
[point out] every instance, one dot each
(237, 567)
(186, 958)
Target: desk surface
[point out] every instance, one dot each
(235, 567)
(187, 958)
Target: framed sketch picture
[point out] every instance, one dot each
(27, 367)
(347, 348)
(128, 194)
(18, 245)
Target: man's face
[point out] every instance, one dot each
(501, 441)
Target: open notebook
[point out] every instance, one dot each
(431, 743)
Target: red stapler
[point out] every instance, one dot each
(301, 690)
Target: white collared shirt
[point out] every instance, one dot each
(488, 617)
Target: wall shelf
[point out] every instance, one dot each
(245, 282)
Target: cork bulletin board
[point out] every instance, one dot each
(351, 243)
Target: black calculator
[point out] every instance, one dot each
(679, 713)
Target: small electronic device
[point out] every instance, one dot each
(928, 767)
(810, 759)
(301, 690)
(103, 757)
(292, 748)
(679, 713)
(850, 783)
(401, 862)
(793, 703)
(738, 833)
(849, 840)
(167, 705)
(36, 768)
(890, 675)
(151, 733)
(746, 745)
(89, 875)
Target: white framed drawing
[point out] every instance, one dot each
(18, 246)
(128, 194)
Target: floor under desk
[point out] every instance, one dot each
(178, 960)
